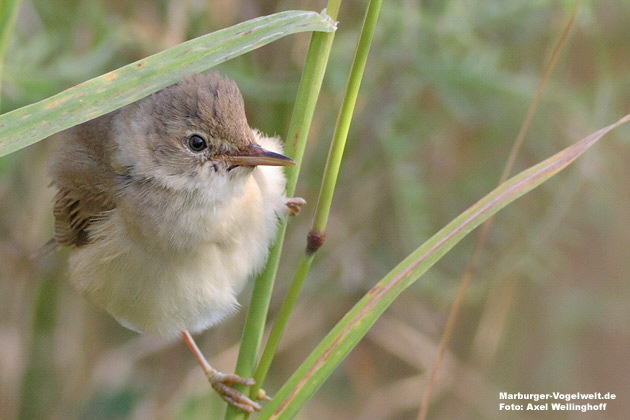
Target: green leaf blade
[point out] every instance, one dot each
(355, 324)
(103, 94)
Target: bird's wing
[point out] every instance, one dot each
(86, 183)
(74, 213)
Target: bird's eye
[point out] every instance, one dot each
(196, 143)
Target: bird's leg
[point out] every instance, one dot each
(294, 205)
(222, 383)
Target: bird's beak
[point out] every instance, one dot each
(255, 155)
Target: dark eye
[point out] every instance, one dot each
(196, 143)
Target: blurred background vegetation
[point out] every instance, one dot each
(447, 86)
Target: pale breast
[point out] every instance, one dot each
(150, 285)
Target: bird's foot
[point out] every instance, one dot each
(295, 205)
(222, 384)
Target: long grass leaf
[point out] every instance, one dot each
(355, 324)
(127, 84)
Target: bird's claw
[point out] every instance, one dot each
(222, 384)
(295, 205)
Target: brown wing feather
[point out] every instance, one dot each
(81, 170)
(74, 215)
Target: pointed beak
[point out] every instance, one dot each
(255, 155)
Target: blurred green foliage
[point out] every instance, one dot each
(445, 91)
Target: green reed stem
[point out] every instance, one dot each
(317, 234)
(304, 108)
(8, 14)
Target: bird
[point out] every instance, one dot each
(168, 206)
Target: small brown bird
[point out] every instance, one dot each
(169, 205)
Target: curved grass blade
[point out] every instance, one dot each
(355, 324)
(108, 92)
